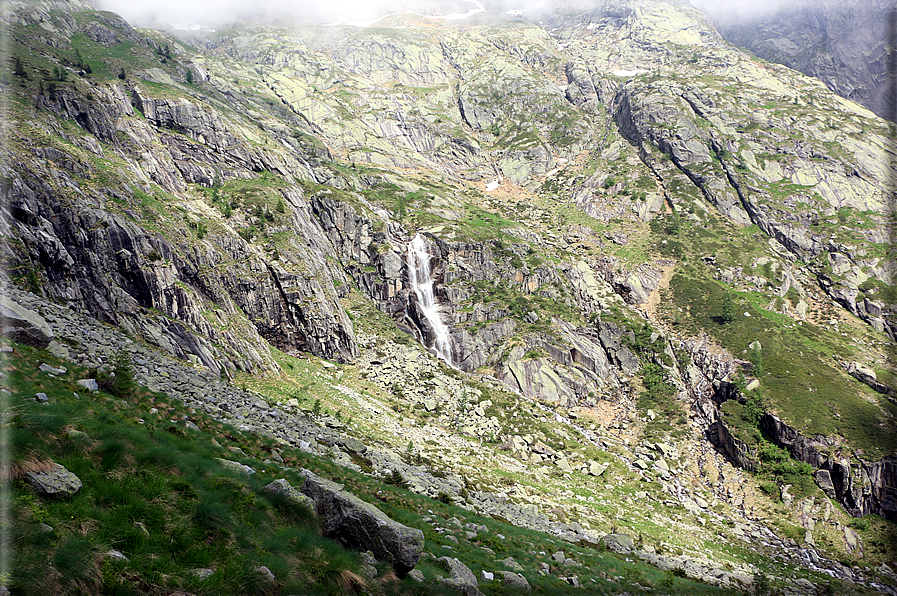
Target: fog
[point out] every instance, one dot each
(740, 10)
(181, 13)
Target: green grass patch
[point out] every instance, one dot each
(801, 383)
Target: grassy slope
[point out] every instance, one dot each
(154, 491)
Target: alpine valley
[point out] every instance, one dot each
(576, 299)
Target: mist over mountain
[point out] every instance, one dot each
(847, 45)
(565, 296)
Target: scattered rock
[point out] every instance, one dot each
(596, 469)
(44, 367)
(115, 555)
(461, 578)
(511, 564)
(417, 576)
(89, 384)
(236, 466)
(266, 573)
(41, 398)
(619, 543)
(203, 573)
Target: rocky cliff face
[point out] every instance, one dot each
(844, 44)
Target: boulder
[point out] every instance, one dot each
(55, 482)
(514, 580)
(24, 326)
(619, 543)
(359, 525)
(461, 578)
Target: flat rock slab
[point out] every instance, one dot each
(360, 526)
(55, 483)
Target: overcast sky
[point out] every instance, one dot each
(159, 13)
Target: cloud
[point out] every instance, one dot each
(161, 13)
(164, 13)
(740, 10)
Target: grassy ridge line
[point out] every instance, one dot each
(154, 491)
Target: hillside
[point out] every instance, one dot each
(587, 272)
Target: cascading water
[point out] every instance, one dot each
(421, 280)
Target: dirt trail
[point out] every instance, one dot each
(650, 307)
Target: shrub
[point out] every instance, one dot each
(727, 312)
(770, 488)
(395, 478)
(754, 407)
(122, 383)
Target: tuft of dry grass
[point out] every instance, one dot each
(14, 471)
(349, 581)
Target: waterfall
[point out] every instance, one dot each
(421, 281)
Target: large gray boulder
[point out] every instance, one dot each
(54, 483)
(360, 526)
(23, 325)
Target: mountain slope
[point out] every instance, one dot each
(637, 236)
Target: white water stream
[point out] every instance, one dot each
(421, 280)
